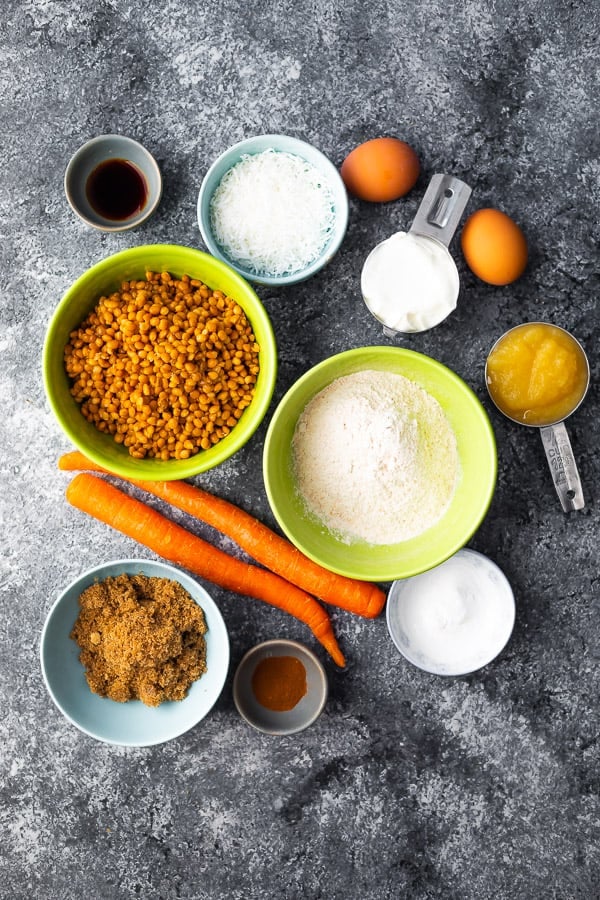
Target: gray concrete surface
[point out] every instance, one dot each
(409, 786)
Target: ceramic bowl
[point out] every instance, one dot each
(91, 155)
(129, 724)
(281, 143)
(468, 582)
(306, 711)
(80, 299)
(477, 461)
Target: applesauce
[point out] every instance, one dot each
(537, 374)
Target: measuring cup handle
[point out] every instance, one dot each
(441, 208)
(562, 465)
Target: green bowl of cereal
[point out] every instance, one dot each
(159, 362)
(379, 463)
(124, 673)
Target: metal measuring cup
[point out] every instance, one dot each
(555, 438)
(437, 219)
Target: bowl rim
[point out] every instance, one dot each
(390, 573)
(342, 213)
(280, 643)
(394, 596)
(128, 467)
(127, 224)
(174, 574)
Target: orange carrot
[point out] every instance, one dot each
(164, 537)
(259, 541)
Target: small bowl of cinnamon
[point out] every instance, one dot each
(280, 687)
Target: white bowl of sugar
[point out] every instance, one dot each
(455, 618)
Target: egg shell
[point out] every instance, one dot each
(494, 247)
(380, 170)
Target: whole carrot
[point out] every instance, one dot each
(144, 524)
(259, 541)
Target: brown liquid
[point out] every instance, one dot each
(116, 189)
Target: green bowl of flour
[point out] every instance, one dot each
(357, 463)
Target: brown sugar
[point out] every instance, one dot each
(141, 638)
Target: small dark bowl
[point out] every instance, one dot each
(306, 711)
(89, 157)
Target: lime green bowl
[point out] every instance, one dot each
(105, 277)
(477, 459)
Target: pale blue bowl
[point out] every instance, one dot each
(130, 724)
(285, 144)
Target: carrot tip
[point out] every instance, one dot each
(334, 651)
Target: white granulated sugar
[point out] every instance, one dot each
(375, 458)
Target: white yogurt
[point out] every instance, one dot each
(410, 282)
(455, 618)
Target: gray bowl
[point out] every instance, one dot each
(306, 711)
(89, 157)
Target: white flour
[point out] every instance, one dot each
(375, 458)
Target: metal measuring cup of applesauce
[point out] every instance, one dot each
(555, 438)
(437, 219)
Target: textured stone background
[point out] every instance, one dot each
(409, 785)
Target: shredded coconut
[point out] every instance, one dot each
(375, 458)
(273, 213)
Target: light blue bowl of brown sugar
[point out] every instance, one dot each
(132, 723)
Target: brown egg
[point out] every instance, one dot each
(380, 170)
(494, 247)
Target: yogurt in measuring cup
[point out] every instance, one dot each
(409, 281)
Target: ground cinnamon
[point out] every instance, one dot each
(141, 638)
(279, 682)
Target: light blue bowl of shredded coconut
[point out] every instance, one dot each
(274, 208)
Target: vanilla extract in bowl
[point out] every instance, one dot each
(116, 189)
